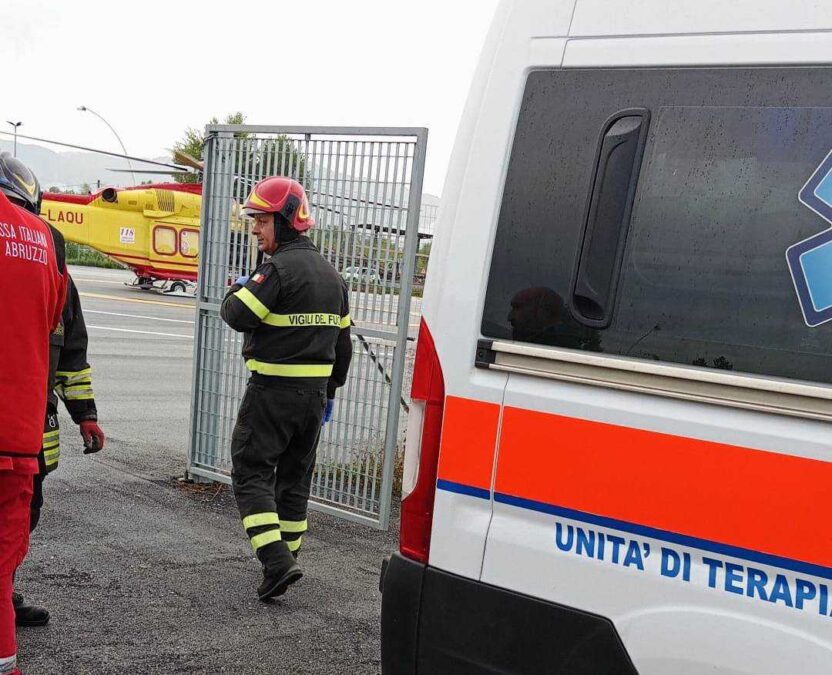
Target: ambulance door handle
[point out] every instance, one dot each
(610, 201)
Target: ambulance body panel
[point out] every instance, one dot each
(627, 309)
(598, 18)
(668, 622)
(483, 143)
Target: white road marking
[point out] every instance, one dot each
(102, 296)
(97, 281)
(143, 332)
(137, 316)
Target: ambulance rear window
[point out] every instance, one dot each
(703, 277)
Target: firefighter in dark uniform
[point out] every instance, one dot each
(294, 311)
(70, 379)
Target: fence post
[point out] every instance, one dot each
(411, 245)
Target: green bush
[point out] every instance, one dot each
(78, 254)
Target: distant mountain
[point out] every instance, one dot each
(71, 170)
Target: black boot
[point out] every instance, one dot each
(28, 615)
(279, 570)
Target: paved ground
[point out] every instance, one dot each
(144, 574)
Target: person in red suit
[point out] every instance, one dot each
(32, 295)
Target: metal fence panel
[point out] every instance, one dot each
(364, 187)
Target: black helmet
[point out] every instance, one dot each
(18, 183)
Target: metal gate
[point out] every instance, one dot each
(364, 187)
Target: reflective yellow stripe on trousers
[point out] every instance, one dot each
(51, 447)
(260, 540)
(74, 376)
(293, 532)
(258, 519)
(52, 457)
(292, 526)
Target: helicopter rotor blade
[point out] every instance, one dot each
(159, 171)
(100, 152)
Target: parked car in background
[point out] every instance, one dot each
(361, 275)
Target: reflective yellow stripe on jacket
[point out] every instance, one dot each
(80, 392)
(311, 319)
(250, 300)
(302, 320)
(74, 385)
(289, 369)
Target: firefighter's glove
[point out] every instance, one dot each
(93, 436)
(330, 406)
(242, 281)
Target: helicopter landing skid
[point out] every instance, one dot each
(176, 287)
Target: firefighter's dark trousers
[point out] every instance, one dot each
(273, 456)
(37, 494)
(47, 461)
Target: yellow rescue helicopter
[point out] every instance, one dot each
(152, 229)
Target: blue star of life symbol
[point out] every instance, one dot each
(810, 261)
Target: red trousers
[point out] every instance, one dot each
(15, 498)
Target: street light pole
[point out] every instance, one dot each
(15, 125)
(84, 108)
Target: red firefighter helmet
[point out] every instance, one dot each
(279, 194)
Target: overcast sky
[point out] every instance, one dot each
(153, 68)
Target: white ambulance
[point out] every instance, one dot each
(619, 457)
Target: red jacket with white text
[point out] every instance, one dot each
(32, 294)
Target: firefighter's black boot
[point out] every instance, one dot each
(28, 615)
(279, 570)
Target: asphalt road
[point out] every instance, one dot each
(144, 574)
